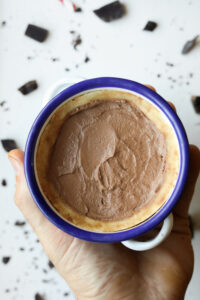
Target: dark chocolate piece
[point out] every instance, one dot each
(150, 26)
(20, 223)
(189, 45)
(87, 59)
(76, 42)
(37, 33)
(50, 264)
(28, 87)
(39, 297)
(6, 259)
(78, 9)
(8, 144)
(110, 12)
(3, 182)
(196, 103)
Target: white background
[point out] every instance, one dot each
(120, 49)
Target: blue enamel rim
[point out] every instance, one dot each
(106, 82)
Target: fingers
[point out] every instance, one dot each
(170, 103)
(151, 87)
(54, 241)
(183, 204)
(23, 198)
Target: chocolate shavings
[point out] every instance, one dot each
(36, 33)
(20, 223)
(50, 264)
(28, 87)
(150, 26)
(87, 59)
(189, 45)
(110, 12)
(76, 42)
(8, 144)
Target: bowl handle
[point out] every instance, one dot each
(58, 87)
(160, 237)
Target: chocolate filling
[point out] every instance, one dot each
(109, 160)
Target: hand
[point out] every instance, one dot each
(111, 271)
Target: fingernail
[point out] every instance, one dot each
(15, 164)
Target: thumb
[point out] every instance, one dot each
(49, 235)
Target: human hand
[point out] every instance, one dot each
(111, 271)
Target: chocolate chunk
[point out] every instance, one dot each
(76, 42)
(28, 87)
(39, 297)
(50, 264)
(2, 103)
(8, 144)
(196, 103)
(78, 9)
(6, 259)
(110, 12)
(87, 59)
(20, 223)
(37, 33)
(150, 26)
(3, 182)
(189, 45)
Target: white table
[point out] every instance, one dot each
(120, 49)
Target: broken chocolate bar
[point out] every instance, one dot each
(20, 223)
(110, 12)
(6, 259)
(37, 33)
(39, 297)
(28, 87)
(8, 144)
(189, 45)
(3, 182)
(196, 103)
(150, 26)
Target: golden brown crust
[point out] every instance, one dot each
(48, 138)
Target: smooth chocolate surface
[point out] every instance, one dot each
(109, 160)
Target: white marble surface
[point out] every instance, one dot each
(118, 49)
